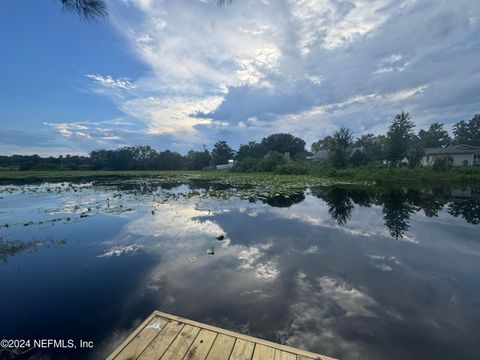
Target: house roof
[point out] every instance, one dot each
(453, 149)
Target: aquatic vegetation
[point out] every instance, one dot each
(11, 248)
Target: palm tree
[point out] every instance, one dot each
(88, 10)
(92, 10)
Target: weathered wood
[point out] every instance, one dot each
(162, 341)
(140, 341)
(222, 347)
(243, 350)
(263, 352)
(181, 344)
(169, 337)
(283, 355)
(201, 346)
(307, 354)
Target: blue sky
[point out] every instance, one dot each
(182, 73)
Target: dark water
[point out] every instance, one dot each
(354, 273)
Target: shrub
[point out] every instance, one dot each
(270, 162)
(248, 164)
(292, 168)
(442, 163)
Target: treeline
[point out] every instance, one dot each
(281, 153)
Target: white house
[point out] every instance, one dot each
(226, 166)
(460, 155)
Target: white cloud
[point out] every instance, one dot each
(305, 66)
(109, 82)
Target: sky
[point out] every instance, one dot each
(180, 74)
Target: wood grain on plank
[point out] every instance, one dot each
(222, 347)
(263, 352)
(138, 343)
(201, 346)
(162, 341)
(179, 347)
(242, 350)
(283, 355)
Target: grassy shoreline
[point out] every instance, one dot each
(360, 176)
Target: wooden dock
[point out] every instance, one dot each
(168, 337)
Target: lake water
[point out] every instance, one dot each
(354, 273)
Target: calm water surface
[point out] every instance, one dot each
(354, 273)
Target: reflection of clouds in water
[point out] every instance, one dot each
(181, 231)
(321, 306)
(353, 301)
(250, 260)
(383, 263)
(178, 220)
(119, 250)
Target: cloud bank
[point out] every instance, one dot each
(302, 66)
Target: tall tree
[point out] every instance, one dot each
(399, 137)
(283, 143)
(338, 147)
(221, 153)
(435, 136)
(468, 132)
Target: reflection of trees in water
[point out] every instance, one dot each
(468, 209)
(285, 201)
(396, 212)
(339, 201)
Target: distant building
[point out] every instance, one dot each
(323, 154)
(460, 155)
(319, 155)
(225, 166)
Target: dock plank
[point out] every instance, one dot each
(179, 347)
(141, 340)
(162, 341)
(169, 337)
(283, 355)
(263, 352)
(222, 347)
(243, 350)
(201, 346)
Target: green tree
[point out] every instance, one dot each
(221, 153)
(197, 160)
(435, 136)
(373, 146)
(321, 144)
(283, 143)
(338, 150)
(399, 137)
(415, 152)
(251, 150)
(468, 132)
